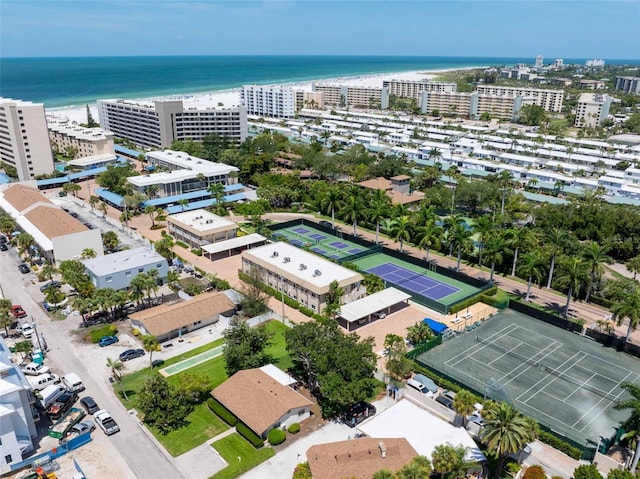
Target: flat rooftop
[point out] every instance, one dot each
(201, 221)
(123, 260)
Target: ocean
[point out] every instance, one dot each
(61, 82)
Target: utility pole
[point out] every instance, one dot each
(35, 330)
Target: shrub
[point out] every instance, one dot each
(222, 412)
(302, 471)
(294, 428)
(197, 251)
(97, 334)
(193, 290)
(535, 472)
(157, 227)
(255, 440)
(276, 436)
(182, 244)
(136, 332)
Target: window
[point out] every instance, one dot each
(128, 274)
(8, 459)
(109, 279)
(159, 265)
(140, 270)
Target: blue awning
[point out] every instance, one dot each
(53, 181)
(108, 196)
(436, 326)
(126, 151)
(204, 203)
(85, 173)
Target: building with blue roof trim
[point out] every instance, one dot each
(113, 199)
(204, 203)
(127, 152)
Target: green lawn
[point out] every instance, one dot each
(235, 446)
(278, 349)
(203, 425)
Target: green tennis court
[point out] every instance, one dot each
(192, 361)
(565, 381)
(329, 246)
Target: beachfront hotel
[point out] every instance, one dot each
(269, 101)
(303, 276)
(179, 173)
(86, 141)
(156, 124)
(412, 89)
(592, 109)
(353, 95)
(550, 100)
(24, 138)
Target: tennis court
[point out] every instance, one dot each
(320, 243)
(565, 381)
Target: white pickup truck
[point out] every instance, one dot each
(106, 422)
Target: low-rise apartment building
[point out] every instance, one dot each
(302, 276)
(85, 141)
(200, 227)
(412, 88)
(116, 270)
(24, 138)
(351, 95)
(156, 124)
(550, 100)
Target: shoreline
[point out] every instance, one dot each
(231, 96)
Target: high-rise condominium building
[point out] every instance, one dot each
(539, 61)
(592, 109)
(550, 100)
(628, 84)
(24, 138)
(271, 101)
(157, 124)
(412, 89)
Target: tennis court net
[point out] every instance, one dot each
(508, 351)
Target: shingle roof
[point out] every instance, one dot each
(257, 399)
(54, 222)
(22, 196)
(166, 318)
(358, 458)
(379, 183)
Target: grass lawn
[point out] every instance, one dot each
(203, 425)
(278, 349)
(234, 446)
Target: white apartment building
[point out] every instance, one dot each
(24, 138)
(444, 103)
(539, 61)
(182, 173)
(86, 141)
(350, 95)
(17, 427)
(158, 123)
(628, 84)
(599, 63)
(592, 109)
(550, 100)
(471, 105)
(270, 101)
(412, 89)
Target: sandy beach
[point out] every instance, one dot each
(231, 97)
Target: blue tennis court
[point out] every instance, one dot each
(318, 237)
(301, 231)
(338, 244)
(415, 282)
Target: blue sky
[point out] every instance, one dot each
(508, 28)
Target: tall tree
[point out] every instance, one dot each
(632, 423)
(150, 344)
(116, 366)
(245, 346)
(332, 200)
(460, 240)
(555, 241)
(353, 209)
(573, 274)
(518, 238)
(464, 404)
(401, 230)
(483, 227)
(6, 319)
(429, 236)
(505, 432)
(530, 267)
(379, 205)
(448, 459)
(494, 249)
(594, 256)
(110, 240)
(628, 306)
(162, 405)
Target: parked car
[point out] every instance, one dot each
(62, 404)
(27, 330)
(24, 269)
(475, 418)
(52, 284)
(445, 401)
(18, 312)
(4, 247)
(3, 239)
(131, 354)
(107, 340)
(89, 404)
(35, 369)
(83, 427)
(106, 422)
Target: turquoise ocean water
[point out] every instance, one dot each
(61, 82)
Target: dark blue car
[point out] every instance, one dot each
(107, 340)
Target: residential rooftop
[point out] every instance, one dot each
(122, 260)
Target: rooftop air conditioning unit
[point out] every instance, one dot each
(275, 254)
(317, 272)
(302, 267)
(286, 259)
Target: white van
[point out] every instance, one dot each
(35, 369)
(419, 386)
(49, 395)
(73, 382)
(38, 383)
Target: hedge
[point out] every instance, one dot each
(100, 333)
(488, 297)
(559, 444)
(197, 251)
(182, 244)
(276, 436)
(255, 440)
(294, 428)
(222, 412)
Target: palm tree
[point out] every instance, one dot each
(449, 223)
(383, 474)
(506, 432)
(48, 270)
(93, 201)
(573, 273)
(172, 278)
(217, 191)
(628, 307)
(418, 468)
(429, 236)
(110, 240)
(556, 240)
(354, 207)
(183, 203)
(379, 204)
(518, 238)
(152, 190)
(494, 248)
(116, 366)
(594, 256)
(331, 201)
(150, 344)
(460, 239)
(25, 241)
(530, 267)
(483, 228)
(435, 155)
(450, 459)
(464, 404)
(150, 210)
(104, 208)
(88, 253)
(6, 319)
(633, 421)
(401, 230)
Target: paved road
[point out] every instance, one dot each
(144, 458)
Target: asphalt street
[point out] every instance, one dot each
(143, 456)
